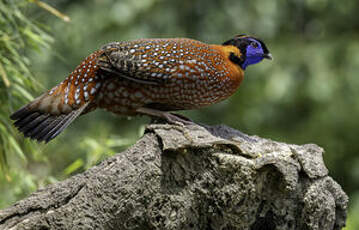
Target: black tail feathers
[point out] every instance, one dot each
(43, 126)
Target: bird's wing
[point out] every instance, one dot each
(153, 61)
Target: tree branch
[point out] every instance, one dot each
(192, 177)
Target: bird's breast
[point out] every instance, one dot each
(181, 73)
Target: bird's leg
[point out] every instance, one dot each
(183, 118)
(170, 117)
(175, 119)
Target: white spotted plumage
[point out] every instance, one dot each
(127, 77)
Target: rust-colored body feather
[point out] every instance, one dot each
(160, 74)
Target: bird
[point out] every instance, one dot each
(151, 77)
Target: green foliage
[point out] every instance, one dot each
(18, 35)
(25, 165)
(353, 221)
(309, 93)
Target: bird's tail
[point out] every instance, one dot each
(48, 115)
(40, 120)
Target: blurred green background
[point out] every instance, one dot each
(308, 94)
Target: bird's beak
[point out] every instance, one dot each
(268, 56)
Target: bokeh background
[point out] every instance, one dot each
(308, 94)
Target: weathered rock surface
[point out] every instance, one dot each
(192, 177)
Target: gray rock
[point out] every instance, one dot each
(193, 177)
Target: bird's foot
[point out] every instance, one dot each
(179, 121)
(172, 118)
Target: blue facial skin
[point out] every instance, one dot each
(254, 53)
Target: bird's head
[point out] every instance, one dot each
(252, 50)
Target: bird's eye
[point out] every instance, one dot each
(254, 44)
